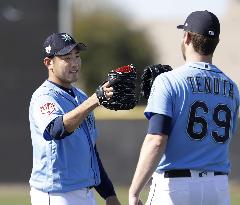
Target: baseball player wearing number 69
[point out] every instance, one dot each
(192, 113)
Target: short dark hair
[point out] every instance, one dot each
(202, 44)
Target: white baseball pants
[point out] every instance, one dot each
(195, 190)
(78, 197)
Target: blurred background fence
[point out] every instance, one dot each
(24, 25)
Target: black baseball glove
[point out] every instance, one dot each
(149, 74)
(123, 81)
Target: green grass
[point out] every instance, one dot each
(19, 195)
(12, 194)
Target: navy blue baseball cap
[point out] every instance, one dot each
(202, 22)
(59, 44)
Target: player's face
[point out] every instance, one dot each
(65, 68)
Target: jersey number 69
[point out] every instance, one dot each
(195, 120)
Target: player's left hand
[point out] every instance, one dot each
(112, 200)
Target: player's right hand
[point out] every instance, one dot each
(133, 200)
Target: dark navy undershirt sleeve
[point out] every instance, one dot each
(56, 129)
(105, 188)
(159, 124)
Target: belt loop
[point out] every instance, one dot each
(201, 173)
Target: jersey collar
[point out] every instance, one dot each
(67, 90)
(59, 90)
(204, 66)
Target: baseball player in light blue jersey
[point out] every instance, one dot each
(66, 164)
(192, 113)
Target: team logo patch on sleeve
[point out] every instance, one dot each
(48, 108)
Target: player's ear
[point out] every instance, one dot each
(187, 38)
(48, 62)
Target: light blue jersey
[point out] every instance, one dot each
(67, 164)
(203, 104)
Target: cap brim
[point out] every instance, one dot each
(69, 48)
(81, 46)
(180, 26)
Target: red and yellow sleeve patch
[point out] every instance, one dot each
(47, 108)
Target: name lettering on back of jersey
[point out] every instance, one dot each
(47, 108)
(207, 85)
